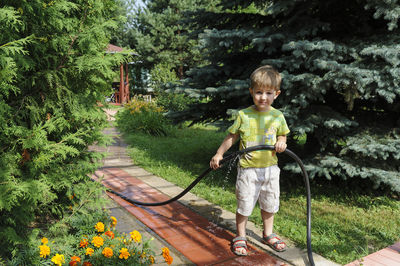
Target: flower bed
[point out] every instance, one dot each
(103, 246)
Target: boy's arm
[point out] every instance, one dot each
(280, 145)
(225, 145)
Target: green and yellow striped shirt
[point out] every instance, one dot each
(259, 128)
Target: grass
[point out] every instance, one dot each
(345, 226)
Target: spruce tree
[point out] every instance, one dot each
(162, 37)
(340, 66)
(53, 72)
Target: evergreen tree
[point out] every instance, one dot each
(340, 66)
(53, 71)
(163, 38)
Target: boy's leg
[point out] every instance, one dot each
(241, 222)
(268, 221)
(269, 203)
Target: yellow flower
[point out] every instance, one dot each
(58, 259)
(97, 241)
(99, 227)
(45, 241)
(113, 221)
(107, 252)
(124, 254)
(136, 236)
(89, 251)
(44, 251)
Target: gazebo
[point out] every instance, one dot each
(121, 88)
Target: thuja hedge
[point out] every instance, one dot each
(53, 71)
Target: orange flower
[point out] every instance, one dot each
(99, 227)
(84, 243)
(74, 261)
(165, 252)
(124, 254)
(107, 252)
(89, 251)
(97, 241)
(168, 260)
(86, 263)
(45, 241)
(110, 234)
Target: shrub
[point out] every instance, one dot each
(146, 117)
(174, 102)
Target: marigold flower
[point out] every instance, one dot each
(151, 259)
(44, 251)
(113, 221)
(45, 241)
(110, 234)
(124, 254)
(107, 252)
(136, 236)
(84, 243)
(165, 251)
(168, 260)
(74, 261)
(76, 258)
(99, 227)
(86, 263)
(98, 241)
(89, 251)
(58, 259)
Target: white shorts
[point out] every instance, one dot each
(260, 184)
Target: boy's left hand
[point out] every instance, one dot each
(280, 146)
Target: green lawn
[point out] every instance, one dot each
(345, 226)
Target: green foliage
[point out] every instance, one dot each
(173, 102)
(162, 36)
(160, 74)
(143, 116)
(341, 73)
(53, 72)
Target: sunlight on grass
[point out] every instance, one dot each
(345, 227)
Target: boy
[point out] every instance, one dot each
(258, 172)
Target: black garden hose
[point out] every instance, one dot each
(223, 161)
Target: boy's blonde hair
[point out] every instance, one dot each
(266, 77)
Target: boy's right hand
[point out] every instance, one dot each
(214, 163)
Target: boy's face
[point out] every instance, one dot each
(264, 97)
